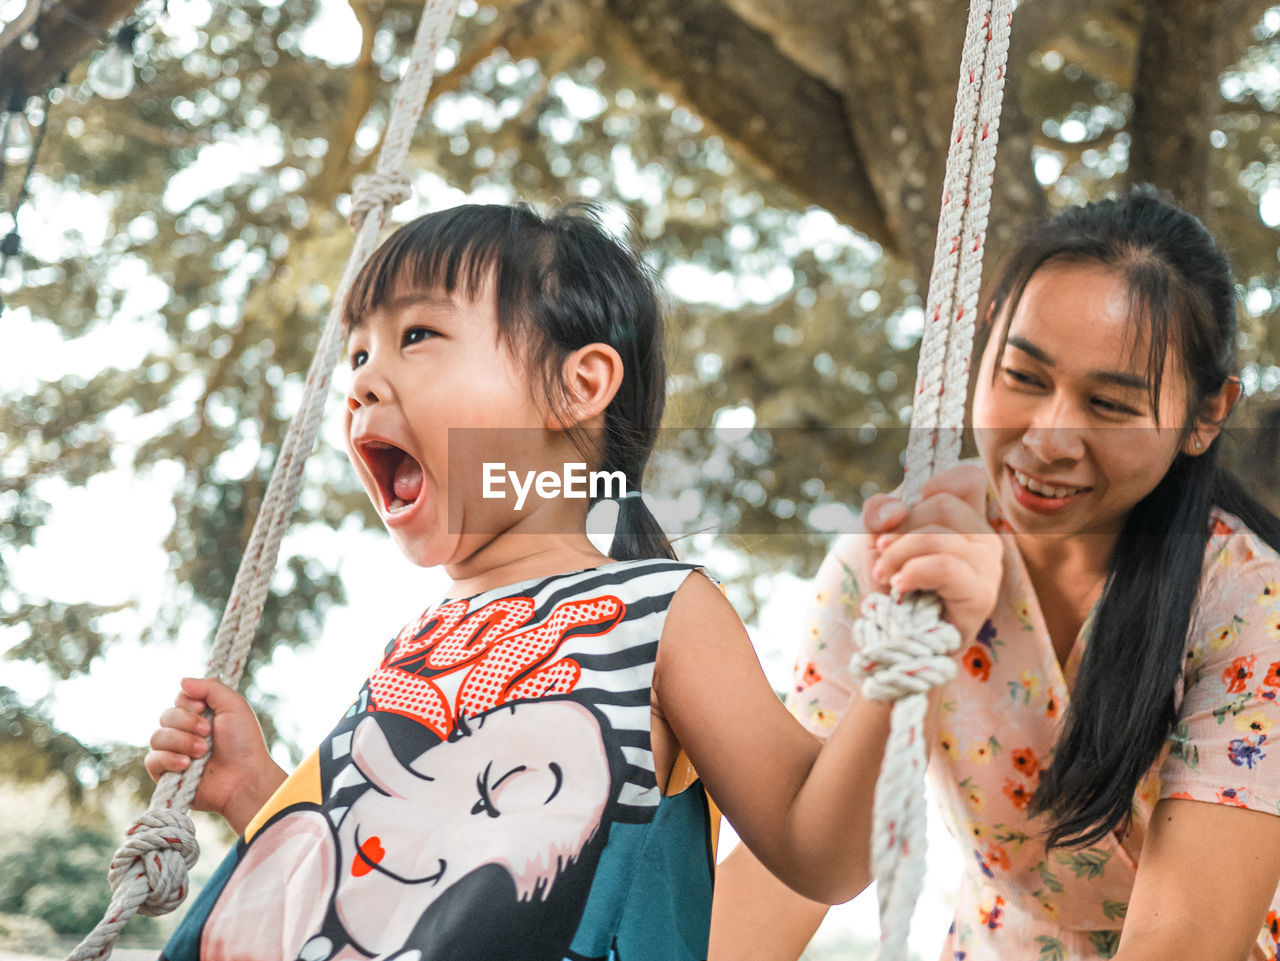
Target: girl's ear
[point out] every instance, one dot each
(1212, 416)
(592, 376)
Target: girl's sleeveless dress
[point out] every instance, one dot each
(489, 795)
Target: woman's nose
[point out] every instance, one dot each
(1055, 432)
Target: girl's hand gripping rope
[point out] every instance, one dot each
(240, 775)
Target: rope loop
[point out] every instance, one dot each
(378, 190)
(903, 647)
(161, 845)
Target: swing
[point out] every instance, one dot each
(904, 648)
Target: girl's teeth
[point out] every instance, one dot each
(1044, 490)
(398, 505)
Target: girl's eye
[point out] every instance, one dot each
(415, 335)
(358, 358)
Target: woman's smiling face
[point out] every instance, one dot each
(1063, 418)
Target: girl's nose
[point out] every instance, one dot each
(365, 387)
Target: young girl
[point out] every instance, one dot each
(506, 784)
(1105, 754)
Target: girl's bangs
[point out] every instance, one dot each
(453, 254)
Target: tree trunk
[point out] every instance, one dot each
(1174, 100)
(1173, 106)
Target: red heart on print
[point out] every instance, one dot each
(371, 852)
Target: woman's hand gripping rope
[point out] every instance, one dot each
(943, 545)
(940, 562)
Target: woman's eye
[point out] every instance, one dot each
(358, 358)
(1020, 377)
(416, 335)
(1108, 406)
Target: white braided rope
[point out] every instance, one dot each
(904, 647)
(149, 872)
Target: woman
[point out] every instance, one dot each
(1106, 753)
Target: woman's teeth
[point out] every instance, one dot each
(1045, 490)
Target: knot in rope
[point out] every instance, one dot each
(384, 190)
(903, 647)
(160, 846)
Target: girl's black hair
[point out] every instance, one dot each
(562, 282)
(1124, 704)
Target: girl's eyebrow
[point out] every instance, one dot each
(1118, 377)
(412, 298)
(420, 298)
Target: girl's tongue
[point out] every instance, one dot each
(407, 483)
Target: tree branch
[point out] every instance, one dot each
(66, 37)
(363, 83)
(1055, 25)
(789, 123)
(903, 115)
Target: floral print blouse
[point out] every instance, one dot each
(997, 723)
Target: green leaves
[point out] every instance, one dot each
(1105, 943)
(1087, 864)
(1050, 879)
(1115, 910)
(1051, 949)
(1181, 746)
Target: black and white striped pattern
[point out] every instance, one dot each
(617, 667)
(616, 671)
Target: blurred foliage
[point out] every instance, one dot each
(33, 750)
(22, 933)
(56, 875)
(202, 219)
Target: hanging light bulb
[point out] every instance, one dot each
(10, 257)
(15, 135)
(111, 75)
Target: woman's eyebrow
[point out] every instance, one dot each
(1118, 377)
(1122, 379)
(1030, 349)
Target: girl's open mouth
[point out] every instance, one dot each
(397, 473)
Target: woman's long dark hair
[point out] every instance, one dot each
(1124, 705)
(562, 282)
